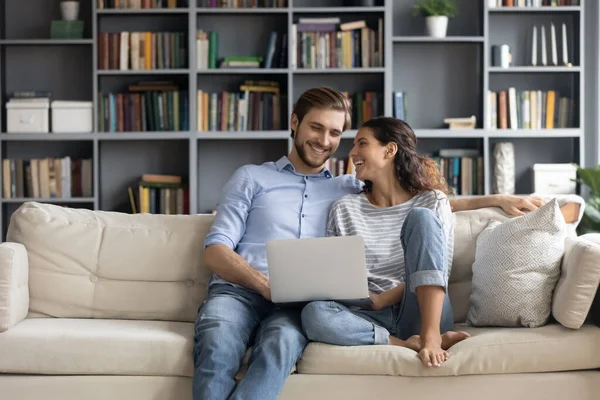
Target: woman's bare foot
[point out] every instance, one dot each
(413, 342)
(450, 338)
(431, 353)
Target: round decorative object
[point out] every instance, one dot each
(437, 26)
(504, 168)
(69, 10)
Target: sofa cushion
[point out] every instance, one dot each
(517, 265)
(489, 351)
(97, 347)
(98, 264)
(579, 281)
(14, 290)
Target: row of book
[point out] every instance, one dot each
(104, 4)
(328, 43)
(207, 53)
(340, 166)
(160, 194)
(142, 50)
(462, 169)
(532, 3)
(46, 178)
(148, 106)
(530, 109)
(242, 3)
(256, 107)
(365, 105)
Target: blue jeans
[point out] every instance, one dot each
(425, 252)
(231, 319)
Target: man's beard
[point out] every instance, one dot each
(300, 149)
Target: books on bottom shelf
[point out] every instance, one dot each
(257, 106)
(124, 4)
(242, 3)
(462, 169)
(47, 178)
(148, 106)
(531, 3)
(160, 194)
(530, 109)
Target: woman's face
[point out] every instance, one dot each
(371, 159)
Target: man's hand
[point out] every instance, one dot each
(515, 205)
(266, 292)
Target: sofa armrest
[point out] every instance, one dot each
(14, 284)
(574, 298)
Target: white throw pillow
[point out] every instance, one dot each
(517, 265)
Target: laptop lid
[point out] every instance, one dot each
(329, 268)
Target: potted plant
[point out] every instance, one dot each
(590, 221)
(69, 10)
(436, 13)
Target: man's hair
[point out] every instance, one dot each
(324, 98)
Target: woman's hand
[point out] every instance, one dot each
(515, 205)
(378, 301)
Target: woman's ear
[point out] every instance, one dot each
(392, 149)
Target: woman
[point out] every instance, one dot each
(406, 221)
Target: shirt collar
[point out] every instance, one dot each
(285, 163)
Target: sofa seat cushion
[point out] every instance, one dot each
(97, 347)
(489, 351)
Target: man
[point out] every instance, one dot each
(286, 199)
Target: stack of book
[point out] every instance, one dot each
(530, 109)
(462, 169)
(340, 166)
(160, 194)
(328, 43)
(207, 53)
(142, 50)
(256, 107)
(365, 105)
(148, 106)
(242, 3)
(532, 3)
(47, 178)
(102, 4)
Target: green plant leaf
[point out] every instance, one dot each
(431, 8)
(591, 178)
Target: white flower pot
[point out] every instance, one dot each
(437, 26)
(69, 10)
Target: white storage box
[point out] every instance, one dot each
(27, 116)
(554, 178)
(72, 116)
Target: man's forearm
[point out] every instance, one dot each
(230, 266)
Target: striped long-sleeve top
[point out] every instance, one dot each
(380, 228)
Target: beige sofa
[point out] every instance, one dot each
(101, 305)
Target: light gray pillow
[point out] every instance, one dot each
(516, 268)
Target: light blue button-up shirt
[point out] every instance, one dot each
(272, 201)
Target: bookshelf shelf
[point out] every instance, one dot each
(46, 42)
(535, 133)
(337, 10)
(557, 9)
(374, 70)
(532, 69)
(246, 135)
(50, 200)
(143, 72)
(236, 71)
(448, 39)
(114, 136)
(7, 137)
(447, 133)
(257, 10)
(153, 11)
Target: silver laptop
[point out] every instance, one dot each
(330, 268)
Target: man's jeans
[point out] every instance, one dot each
(231, 319)
(424, 243)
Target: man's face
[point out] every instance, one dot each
(318, 136)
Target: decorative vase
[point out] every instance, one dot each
(69, 10)
(504, 168)
(437, 26)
